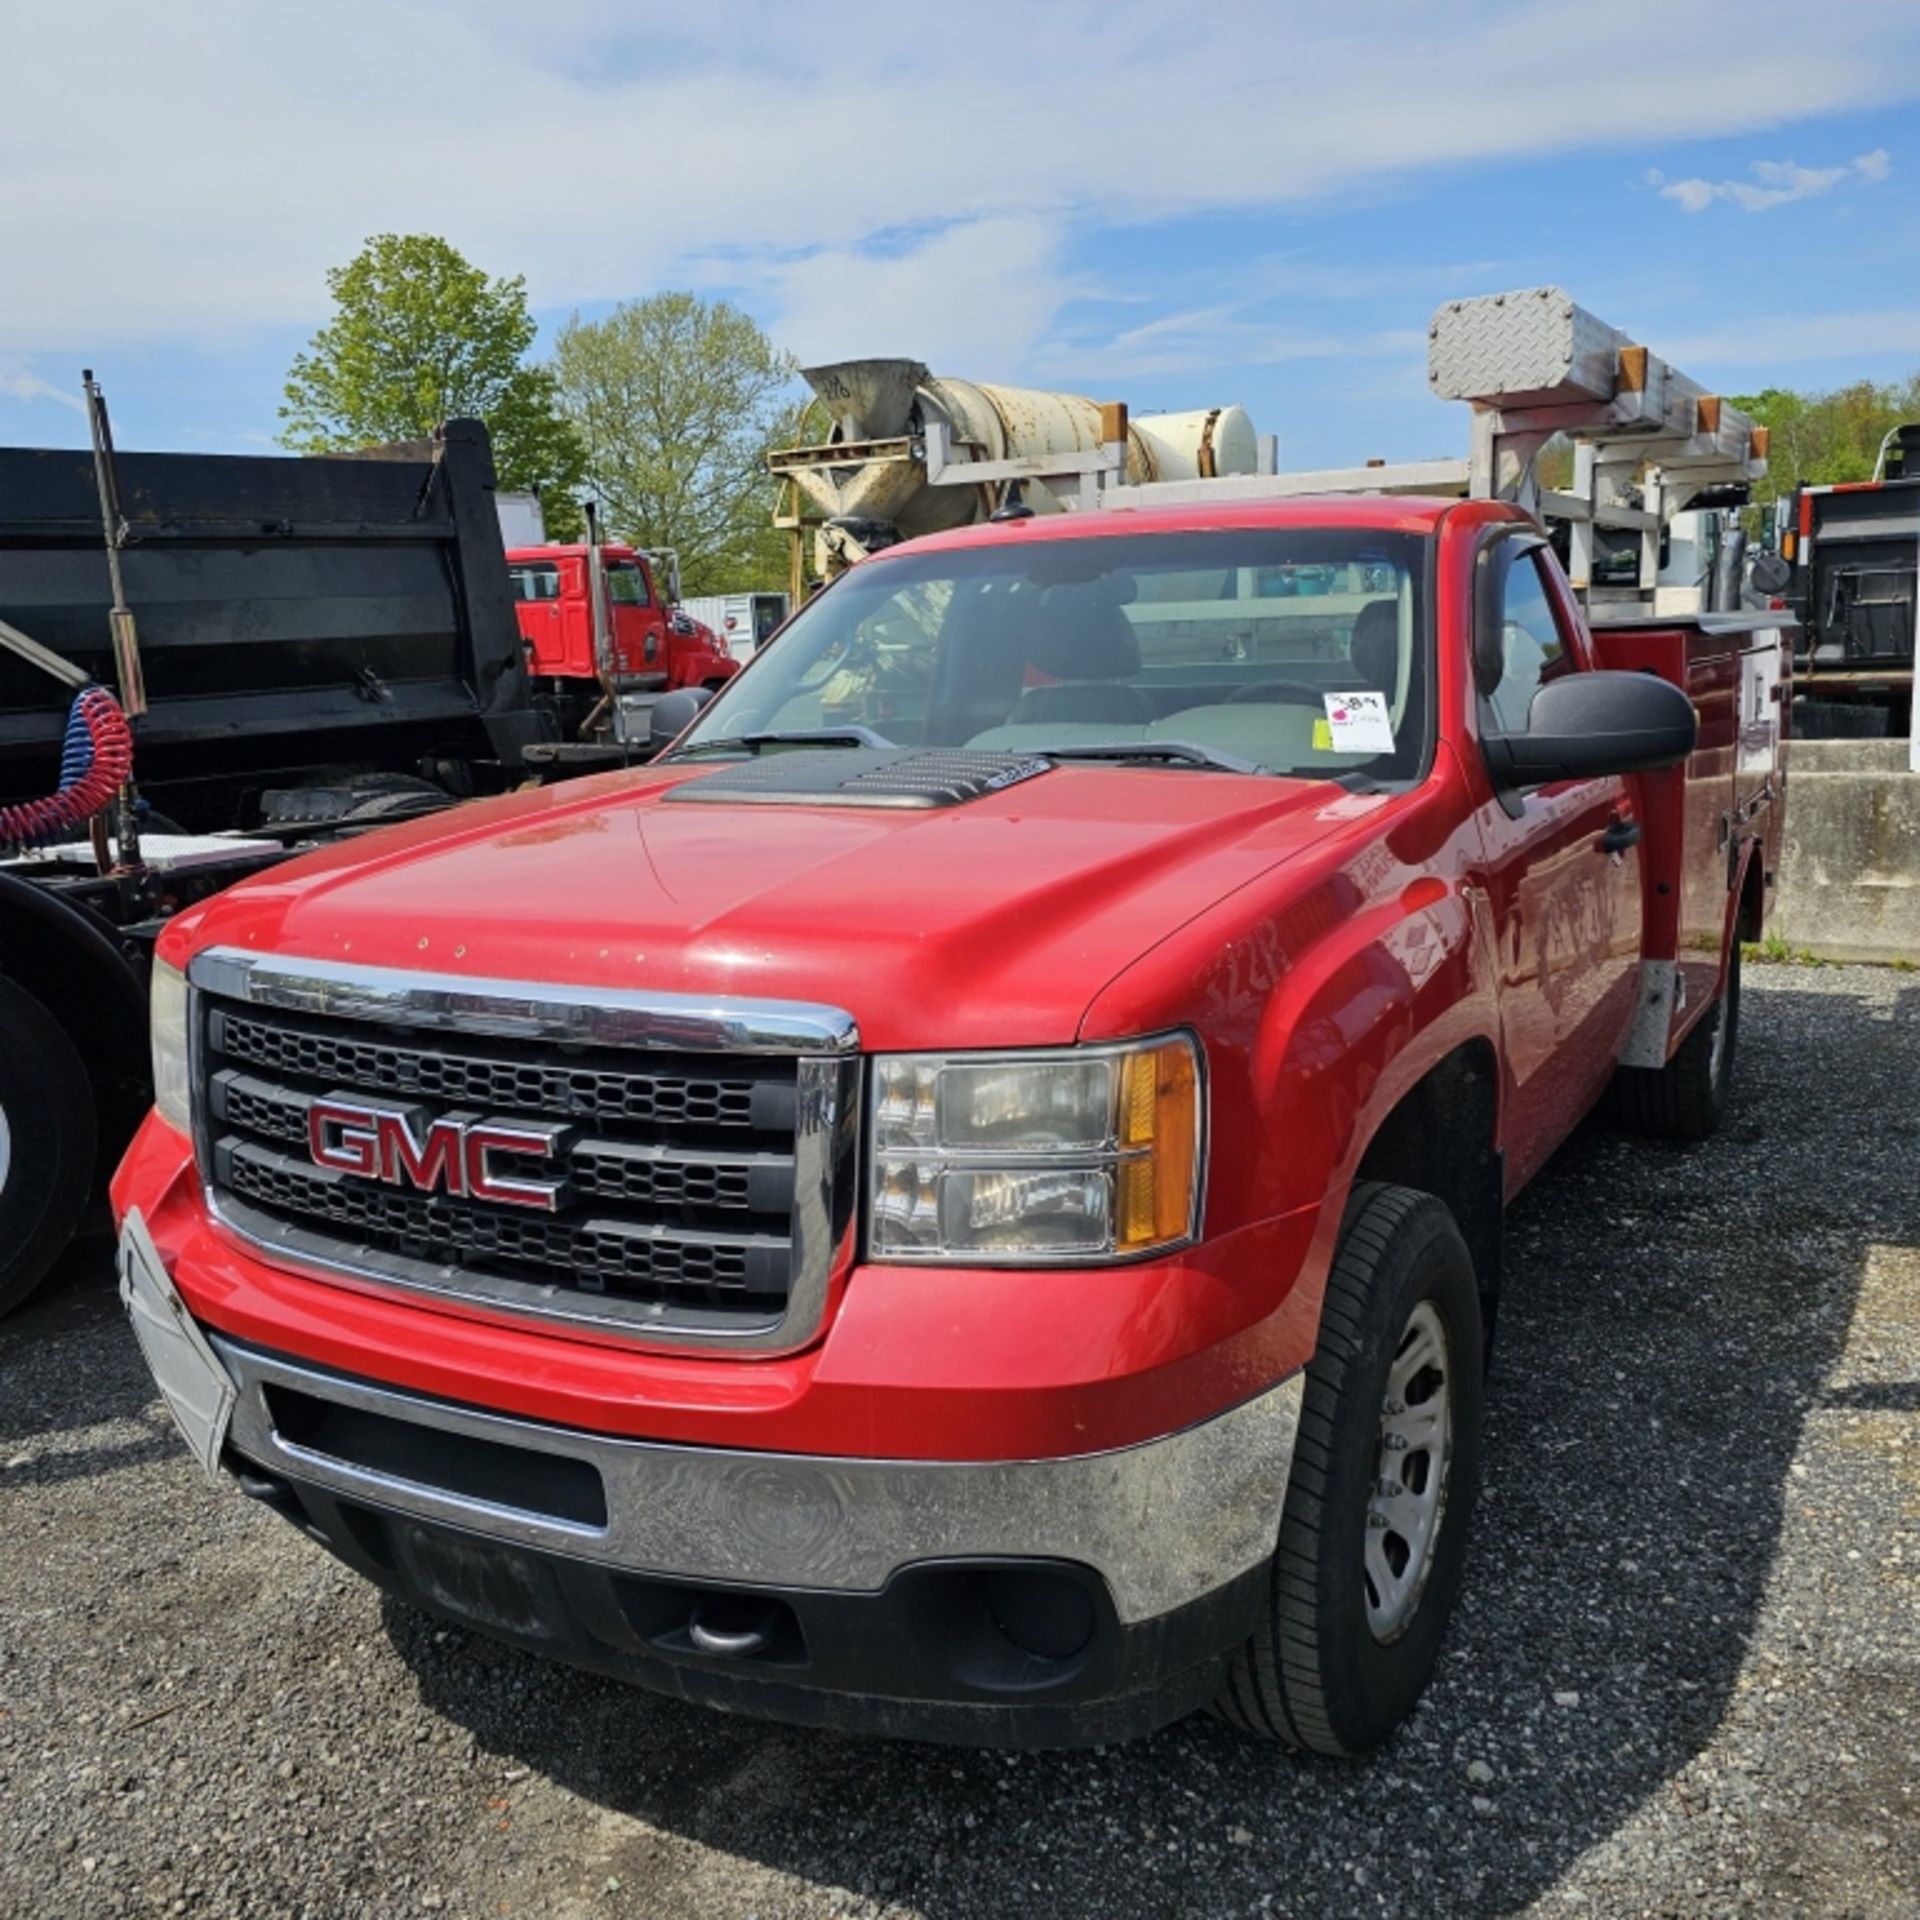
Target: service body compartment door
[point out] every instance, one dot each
(1714, 683)
(1759, 745)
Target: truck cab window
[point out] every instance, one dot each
(1533, 649)
(535, 580)
(626, 584)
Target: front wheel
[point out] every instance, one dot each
(47, 1140)
(1385, 1469)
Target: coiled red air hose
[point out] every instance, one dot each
(95, 760)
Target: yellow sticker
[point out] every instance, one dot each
(1322, 737)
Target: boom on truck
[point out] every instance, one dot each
(320, 643)
(966, 1200)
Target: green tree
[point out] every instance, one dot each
(419, 337)
(678, 400)
(1818, 438)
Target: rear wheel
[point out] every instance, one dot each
(1385, 1470)
(47, 1142)
(1688, 1097)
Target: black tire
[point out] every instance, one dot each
(47, 1142)
(1688, 1097)
(1316, 1673)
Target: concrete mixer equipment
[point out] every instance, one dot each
(911, 453)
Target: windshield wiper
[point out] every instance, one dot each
(799, 737)
(1180, 752)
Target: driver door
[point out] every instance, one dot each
(1563, 867)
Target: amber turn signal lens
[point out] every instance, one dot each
(1160, 1136)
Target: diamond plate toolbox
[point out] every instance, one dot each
(1534, 347)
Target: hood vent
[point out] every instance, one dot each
(864, 777)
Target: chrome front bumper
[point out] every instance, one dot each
(1163, 1523)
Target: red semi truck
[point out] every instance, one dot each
(987, 1229)
(649, 647)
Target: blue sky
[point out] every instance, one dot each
(1260, 203)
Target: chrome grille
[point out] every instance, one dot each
(511, 1086)
(704, 1151)
(599, 1253)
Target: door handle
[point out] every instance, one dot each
(1622, 834)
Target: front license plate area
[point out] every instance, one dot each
(476, 1580)
(198, 1390)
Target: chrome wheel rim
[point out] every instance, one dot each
(6, 1149)
(1408, 1500)
(1717, 1051)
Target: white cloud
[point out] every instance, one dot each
(18, 385)
(909, 182)
(1775, 183)
(964, 296)
(1765, 340)
(1274, 310)
(1239, 335)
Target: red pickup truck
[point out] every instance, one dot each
(966, 1200)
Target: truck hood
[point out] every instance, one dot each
(993, 923)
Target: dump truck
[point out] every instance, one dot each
(966, 1200)
(296, 647)
(1854, 551)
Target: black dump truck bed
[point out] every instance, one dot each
(297, 618)
(315, 624)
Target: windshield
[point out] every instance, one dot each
(1301, 649)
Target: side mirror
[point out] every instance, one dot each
(672, 714)
(1586, 725)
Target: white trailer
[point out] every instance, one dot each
(742, 620)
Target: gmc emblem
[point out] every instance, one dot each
(404, 1147)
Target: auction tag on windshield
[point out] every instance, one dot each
(1358, 722)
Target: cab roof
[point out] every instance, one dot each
(571, 550)
(1396, 513)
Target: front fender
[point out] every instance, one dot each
(1369, 1013)
(1322, 992)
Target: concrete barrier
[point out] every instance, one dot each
(1849, 885)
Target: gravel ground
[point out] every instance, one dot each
(1685, 1678)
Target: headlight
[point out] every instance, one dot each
(171, 1086)
(1091, 1153)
